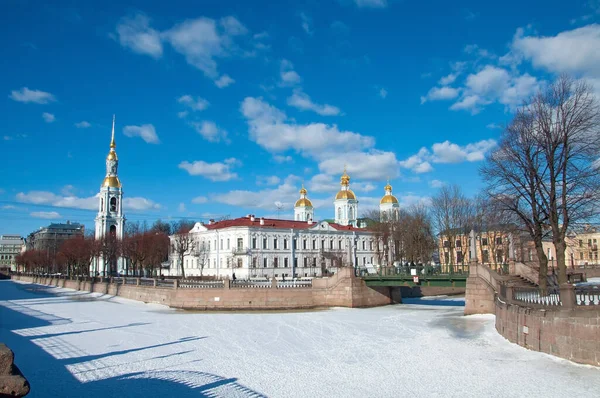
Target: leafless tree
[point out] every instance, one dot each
(182, 242)
(567, 121)
(415, 234)
(201, 253)
(452, 214)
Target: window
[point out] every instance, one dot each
(265, 262)
(275, 262)
(208, 245)
(485, 256)
(239, 262)
(580, 243)
(113, 204)
(581, 255)
(459, 257)
(483, 241)
(340, 244)
(458, 243)
(227, 243)
(530, 254)
(314, 244)
(274, 243)
(304, 244)
(295, 243)
(286, 262)
(499, 256)
(253, 262)
(221, 244)
(331, 244)
(240, 243)
(446, 243)
(285, 243)
(314, 262)
(339, 213)
(498, 241)
(295, 262)
(446, 258)
(254, 243)
(264, 243)
(305, 262)
(364, 245)
(323, 244)
(351, 214)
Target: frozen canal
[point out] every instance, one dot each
(72, 344)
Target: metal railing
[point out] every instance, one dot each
(587, 295)
(244, 284)
(301, 283)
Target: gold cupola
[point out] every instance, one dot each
(345, 192)
(388, 197)
(112, 161)
(303, 201)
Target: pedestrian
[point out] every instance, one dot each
(234, 278)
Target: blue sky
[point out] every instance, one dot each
(226, 107)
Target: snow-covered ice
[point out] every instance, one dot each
(72, 344)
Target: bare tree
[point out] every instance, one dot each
(182, 242)
(416, 238)
(452, 216)
(567, 121)
(201, 253)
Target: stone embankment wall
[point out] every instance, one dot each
(12, 382)
(341, 290)
(568, 331)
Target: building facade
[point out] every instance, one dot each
(110, 220)
(253, 247)
(50, 238)
(10, 247)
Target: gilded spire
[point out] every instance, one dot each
(303, 190)
(388, 187)
(112, 140)
(345, 180)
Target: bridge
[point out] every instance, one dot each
(440, 280)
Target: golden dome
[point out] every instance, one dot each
(345, 179)
(388, 199)
(112, 155)
(303, 202)
(303, 191)
(111, 182)
(345, 194)
(388, 187)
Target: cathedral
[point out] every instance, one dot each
(257, 247)
(110, 221)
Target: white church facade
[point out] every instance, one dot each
(253, 247)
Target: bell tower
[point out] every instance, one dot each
(110, 221)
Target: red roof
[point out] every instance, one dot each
(274, 224)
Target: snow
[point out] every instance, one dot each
(71, 344)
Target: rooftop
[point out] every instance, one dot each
(273, 223)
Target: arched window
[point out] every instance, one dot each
(101, 204)
(396, 215)
(339, 213)
(113, 204)
(351, 214)
(113, 230)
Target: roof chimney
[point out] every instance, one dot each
(310, 221)
(262, 221)
(251, 217)
(211, 221)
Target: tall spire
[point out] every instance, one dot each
(112, 140)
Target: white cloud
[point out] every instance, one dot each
(68, 190)
(224, 81)
(182, 114)
(282, 159)
(181, 207)
(200, 199)
(136, 34)
(288, 75)
(371, 3)
(146, 131)
(36, 96)
(436, 184)
(572, 51)
(267, 180)
(440, 93)
(302, 101)
(448, 79)
(50, 215)
(383, 92)
(447, 152)
(197, 104)
(201, 41)
(140, 204)
(218, 171)
(48, 117)
(286, 193)
(306, 23)
(270, 128)
(493, 126)
(83, 125)
(210, 132)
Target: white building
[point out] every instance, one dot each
(258, 247)
(10, 247)
(110, 218)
